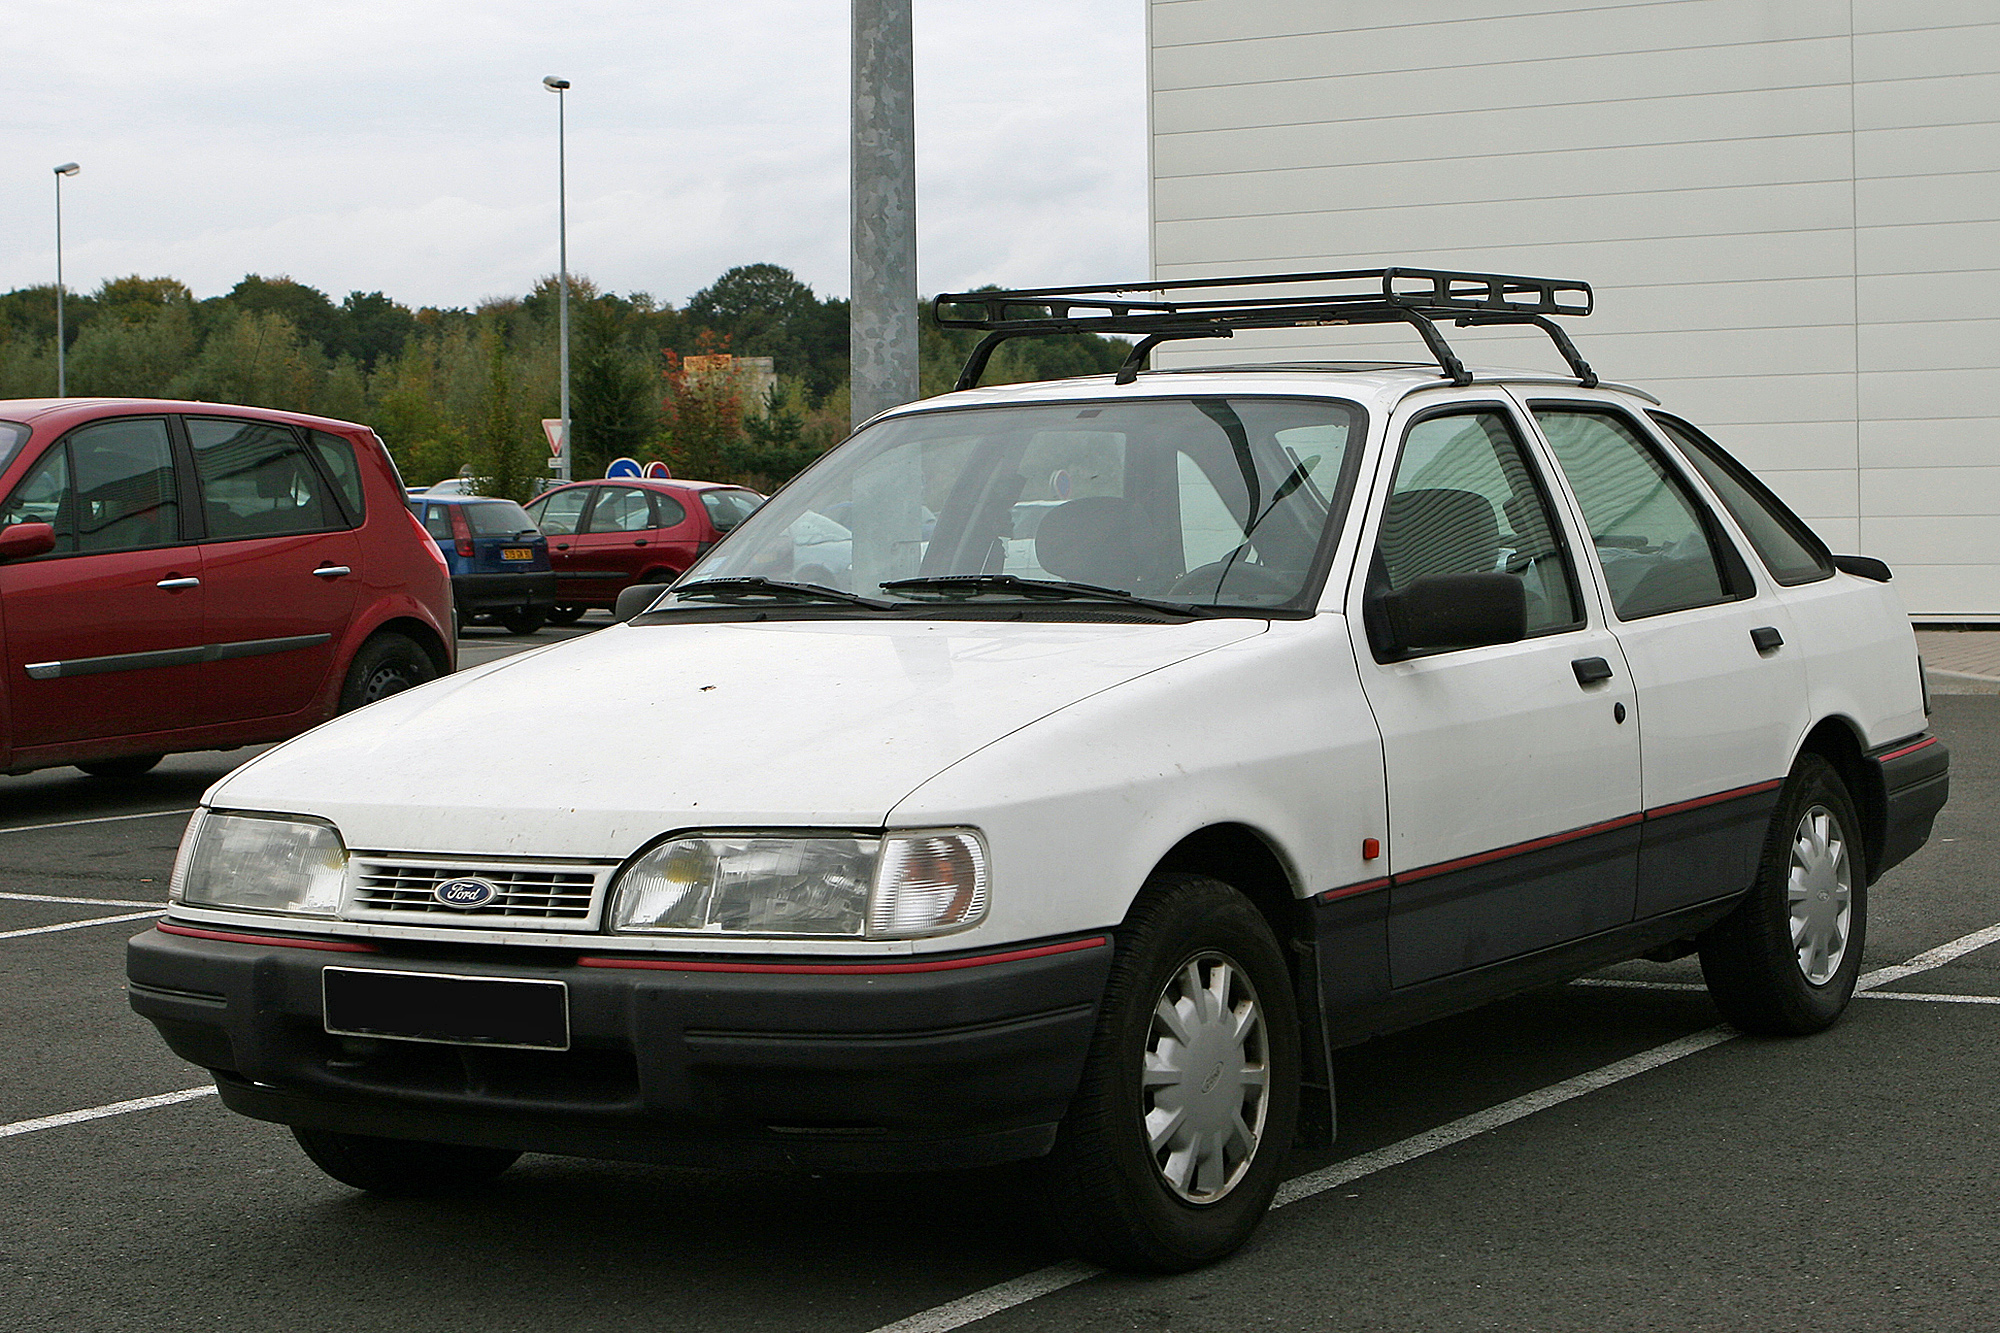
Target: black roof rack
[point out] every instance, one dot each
(1194, 308)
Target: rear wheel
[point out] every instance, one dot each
(520, 621)
(1785, 961)
(401, 1166)
(1174, 1145)
(387, 664)
(565, 615)
(125, 766)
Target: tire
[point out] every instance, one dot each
(401, 1166)
(565, 615)
(125, 766)
(1106, 1190)
(1784, 962)
(387, 664)
(518, 621)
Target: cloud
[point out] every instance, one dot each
(408, 147)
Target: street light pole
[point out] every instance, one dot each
(62, 356)
(559, 87)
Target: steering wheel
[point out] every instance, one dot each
(1208, 578)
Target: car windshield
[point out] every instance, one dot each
(728, 508)
(497, 518)
(1199, 502)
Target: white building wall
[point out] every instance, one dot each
(1790, 211)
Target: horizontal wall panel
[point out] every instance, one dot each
(1906, 492)
(1601, 80)
(1937, 247)
(1959, 99)
(1920, 53)
(1724, 402)
(1932, 345)
(1688, 123)
(1935, 539)
(1802, 159)
(1959, 442)
(1904, 15)
(1929, 150)
(1947, 592)
(1611, 266)
(1974, 196)
(1692, 24)
(1184, 22)
(1916, 297)
(1916, 395)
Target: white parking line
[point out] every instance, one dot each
(79, 925)
(81, 902)
(99, 1112)
(1005, 1295)
(101, 819)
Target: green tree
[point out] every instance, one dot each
(763, 310)
(126, 354)
(256, 358)
(702, 414)
(307, 309)
(371, 327)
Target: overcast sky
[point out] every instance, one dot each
(407, 146)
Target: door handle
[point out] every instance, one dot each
(1590, 670)
(177, 582)
(332, 572)
(1767, 638)
(562, 546)
(639, 541)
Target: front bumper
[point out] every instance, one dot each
(904, 1064)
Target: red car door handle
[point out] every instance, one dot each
(178, 582)
(562, 546)
(639, 541)
(332, 572)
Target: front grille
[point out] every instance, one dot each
(562, 897)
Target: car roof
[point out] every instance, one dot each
(452, 498)
(651, 484)
(29, 410)
(1379, 385)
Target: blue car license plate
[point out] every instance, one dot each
(517, 553)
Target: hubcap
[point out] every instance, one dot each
(386, 681)
(1821, 893)
(1206, 1081)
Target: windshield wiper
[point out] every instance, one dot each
(974, 585)
(753, 585)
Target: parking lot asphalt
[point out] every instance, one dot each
(1601, 1156)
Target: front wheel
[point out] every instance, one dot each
(401, 1166)
(1785, 961)
(565, 614)
(1174, 1146)
(387, 664)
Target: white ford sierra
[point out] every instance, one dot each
(1160, 733)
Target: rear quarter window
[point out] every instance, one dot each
(337, 457)
(1791, 550)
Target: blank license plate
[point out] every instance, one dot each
(429, 1006)
(517, 553)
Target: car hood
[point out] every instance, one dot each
(595, 746)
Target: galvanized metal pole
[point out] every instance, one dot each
(560, 87)
(62, 352)
(883, 240)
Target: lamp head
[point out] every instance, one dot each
(71, 168)
(554, 84)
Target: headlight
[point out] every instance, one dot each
(904, 884)
(262, 863)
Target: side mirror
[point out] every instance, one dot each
(635, 599)
(21, 541)
(1454, 611)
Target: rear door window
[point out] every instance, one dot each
(1657, 551)
(257, 480)
(620, 509)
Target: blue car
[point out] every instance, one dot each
(499, 559)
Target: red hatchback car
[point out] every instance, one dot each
(190, 576)
(605, 536)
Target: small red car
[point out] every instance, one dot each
(193, 576)
(605, 536)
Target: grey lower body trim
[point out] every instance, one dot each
(168, 657)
